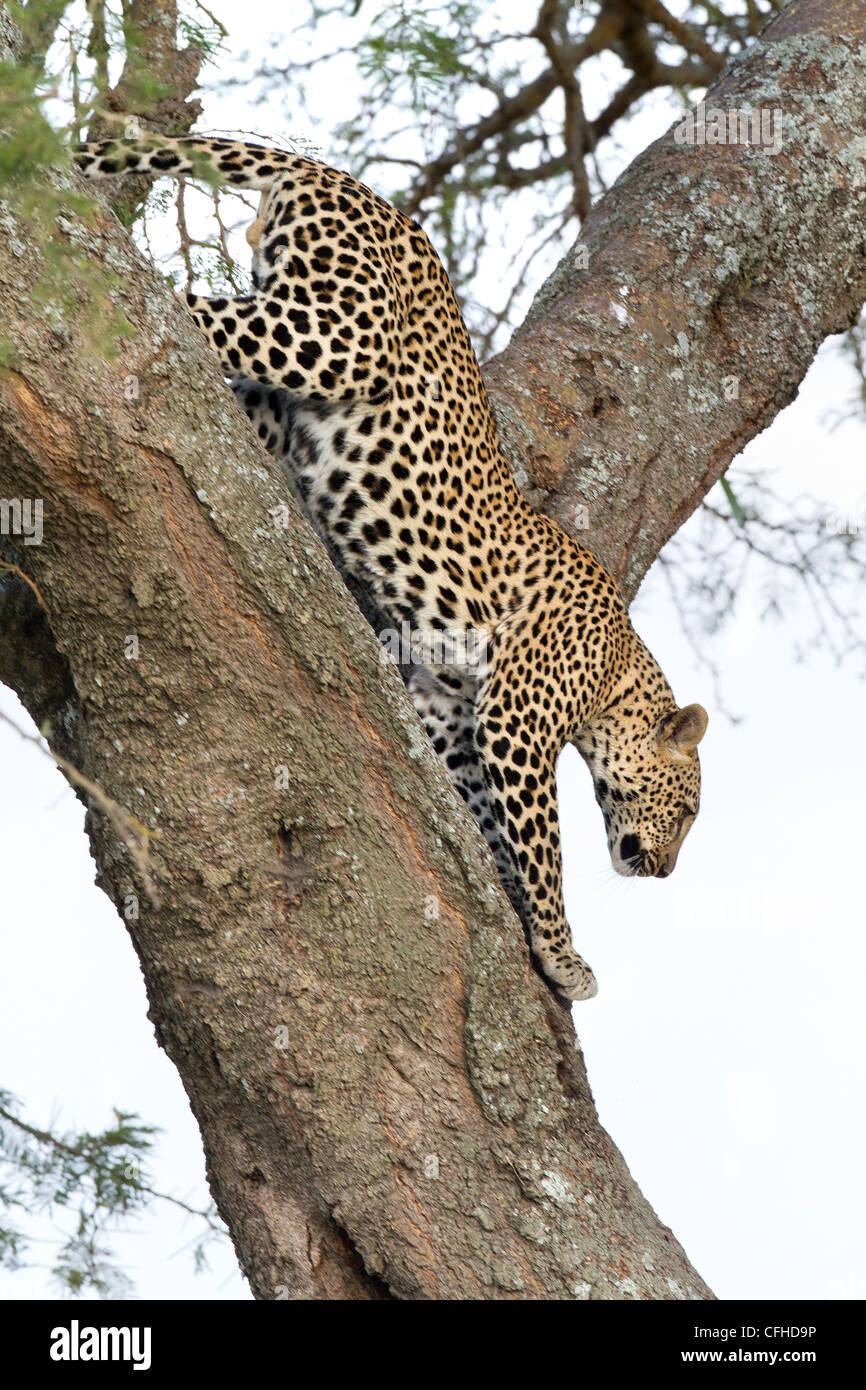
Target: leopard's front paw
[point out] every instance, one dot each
(569, 974)
(583, 987)
(583, 984)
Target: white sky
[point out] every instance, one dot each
(726, 1046)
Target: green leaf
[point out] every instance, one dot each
(736, 510)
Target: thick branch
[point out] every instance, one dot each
(714, 273)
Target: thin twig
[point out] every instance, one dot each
(134, 835)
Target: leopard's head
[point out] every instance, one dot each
(647, 778)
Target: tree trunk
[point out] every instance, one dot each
(392, 1103)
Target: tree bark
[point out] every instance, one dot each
(392, 1104)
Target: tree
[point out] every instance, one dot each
(392, 1104)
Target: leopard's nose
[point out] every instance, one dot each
(629, 847)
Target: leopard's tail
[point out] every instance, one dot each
(210, 158)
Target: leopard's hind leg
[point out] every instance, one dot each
(449, 719)
(327, 312)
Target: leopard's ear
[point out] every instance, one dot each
(680, 732)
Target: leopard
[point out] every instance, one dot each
(351, 357)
